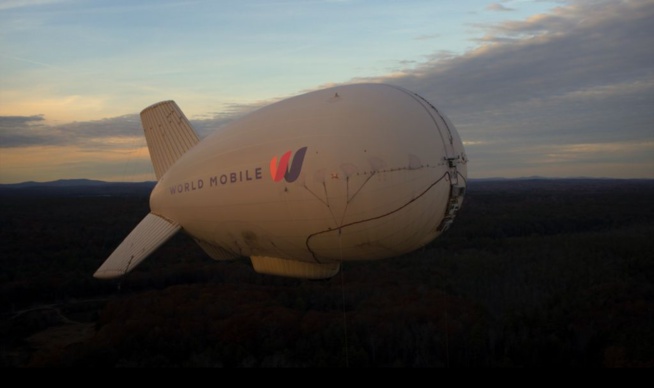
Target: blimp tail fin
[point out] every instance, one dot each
(168, 133)
(147, 236)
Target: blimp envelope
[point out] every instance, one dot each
(352, 172)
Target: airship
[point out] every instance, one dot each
(356, 172)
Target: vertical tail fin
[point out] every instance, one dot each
(168, 133)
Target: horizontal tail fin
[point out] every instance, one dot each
(147, 236)
(168, 133)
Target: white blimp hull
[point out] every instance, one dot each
(354, 172)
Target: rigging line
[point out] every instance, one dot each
(447, 336)
(132, 154)
(340, 248)
(446, 174)
(349, 199)
(316, 195)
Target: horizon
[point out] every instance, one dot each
(557, 89)
(81, 180)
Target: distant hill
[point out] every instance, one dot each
(76, 188)
(89, 187)
(57, 183)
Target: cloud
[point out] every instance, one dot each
(583, 74)
(11, 4)
(427, 37)
(573, 51)
(497, 7)
(11, 121)
(24, 131)
(105, 134)
(19, 131)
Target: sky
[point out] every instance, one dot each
(534, 88)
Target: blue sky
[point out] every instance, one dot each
(549, 88)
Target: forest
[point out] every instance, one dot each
(532, 273)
